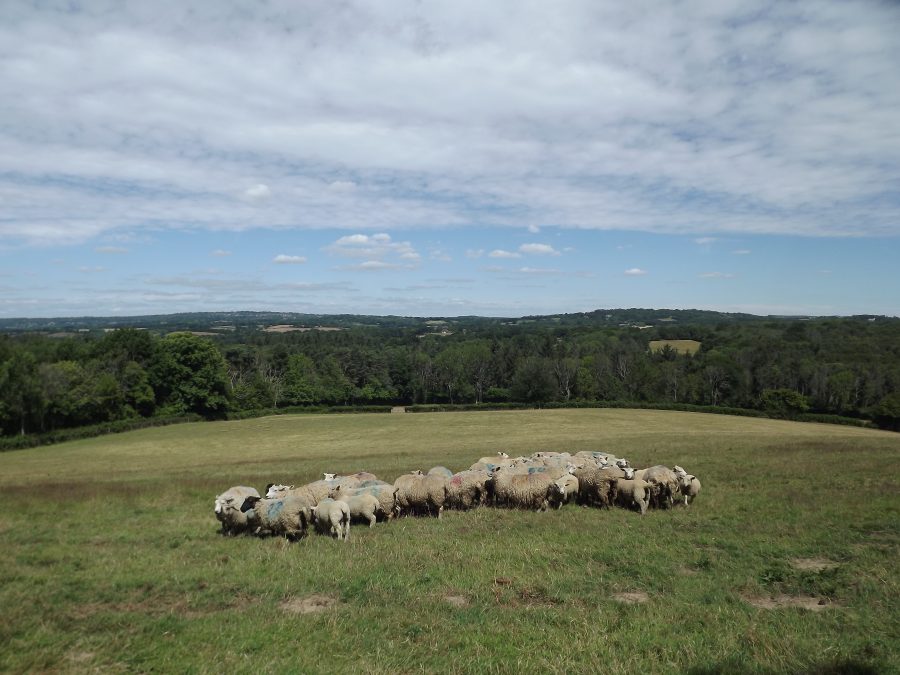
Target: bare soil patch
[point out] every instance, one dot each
(310, 604)
(802, 601)
(631, 597)
(455, 600)
(813, 564)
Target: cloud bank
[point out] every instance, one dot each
(707, 119)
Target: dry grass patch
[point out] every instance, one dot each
(807, 602)
(455, 600)
(813, 564)
(310, 604)
(631, 597)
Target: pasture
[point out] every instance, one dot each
(689, 347)
(110, 558)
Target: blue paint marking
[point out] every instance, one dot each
(275, 509)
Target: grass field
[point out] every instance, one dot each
(110, 558)
(680, 346)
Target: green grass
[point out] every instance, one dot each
(110, 558)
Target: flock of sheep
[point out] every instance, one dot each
(540, 482)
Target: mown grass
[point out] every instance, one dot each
(110, 560)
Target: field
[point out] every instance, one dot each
(110, 558)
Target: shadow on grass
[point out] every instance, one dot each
(842, 667)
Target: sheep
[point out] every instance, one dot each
(596, 487)
(633, 493)
(441, 471)
(689, 486)
(364, 506)
(385, 494)
(287, 516)
(332, 517)
(665, 487)
(228, 509)
(569, 485)
(467, 489)
(317, 489)
(420, 494)
(535, 491)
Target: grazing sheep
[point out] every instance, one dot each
(373, 483)
(332, 517)
(633, 493)
(421, 495)
(535, 491)
(364, 506)
(467, 489)
(385, 494)
(569, 485)
(665, 485)
(441, 471)
(288, 516)
(228, 509)
(596, 487)
(690, 488)
(317, 489)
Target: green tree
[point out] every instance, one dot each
(20, 391)
(189, 375)
(533, 381)
(785, 403)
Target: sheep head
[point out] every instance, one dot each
(329, 476)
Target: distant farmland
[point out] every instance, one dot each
(680, 346)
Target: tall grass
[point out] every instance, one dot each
(110, 559)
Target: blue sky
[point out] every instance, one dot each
(449, 158)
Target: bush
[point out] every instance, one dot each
(77, 433)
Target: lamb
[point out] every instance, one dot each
(569, 485)
(332, 517)
(420, 494)
(385, 494)
(633, 493)
(441, 471)
(689, 486)
(535, 491)
(288, 516)
(364, 506)
(228, 509)
(468, 489)
(596, 487)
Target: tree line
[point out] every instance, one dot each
(846, 367)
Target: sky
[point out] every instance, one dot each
(449, 158)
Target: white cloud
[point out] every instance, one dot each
(86, 269)
(704, 241)
(283, 259)
(717, 275)
(260, 191)
(635, 272)
(440, 255)
(111, 249)
(742, 251)
(499, 253)
(474, 253)
(220, 253)
(534, 229)
(375, 247)
(538, 271)
(538, 249)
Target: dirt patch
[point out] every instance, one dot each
(813, 564)
(310, 604)
(802, 601)
(631, 597)
(458, 601)
(398, 409)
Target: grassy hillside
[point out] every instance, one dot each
(110, 558)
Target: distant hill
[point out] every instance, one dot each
(245, 320)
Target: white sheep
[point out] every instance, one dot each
(288, 516)
(569, 486)
(441, 471)
(633, 493)
(535, 491)
(596, 487)
(420, 494)
(690, 488)
(467, 489)
(332, 516)
(363, 506)
(228, 509)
